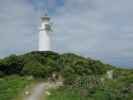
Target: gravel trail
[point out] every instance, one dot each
(40, 89)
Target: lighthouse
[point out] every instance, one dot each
(44, 34)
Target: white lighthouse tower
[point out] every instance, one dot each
(44, 34)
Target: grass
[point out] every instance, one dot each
(65, 94)
(69, 94)
(117, 89)
(11, 86)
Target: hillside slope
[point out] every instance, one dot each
(48, 62)
(84, 78)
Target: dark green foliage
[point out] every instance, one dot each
(40, 64)
(77, 64)
(34, 68)
(74, 66)
(11, 65)
(43, 64)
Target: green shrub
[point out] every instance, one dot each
(35, 69)
(11, 65)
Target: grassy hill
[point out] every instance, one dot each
(41, 64)
(84, 78)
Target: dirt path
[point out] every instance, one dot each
(38, 91)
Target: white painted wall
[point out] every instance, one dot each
(44, 38)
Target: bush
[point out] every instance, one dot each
(35, 69)
(11, 65)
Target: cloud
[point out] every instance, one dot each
(18, 27)
(101, 29)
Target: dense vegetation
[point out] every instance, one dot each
(42, 64)
(11, 86)
(84, 78)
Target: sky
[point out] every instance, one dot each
(100, 29)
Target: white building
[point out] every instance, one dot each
(44, 34)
